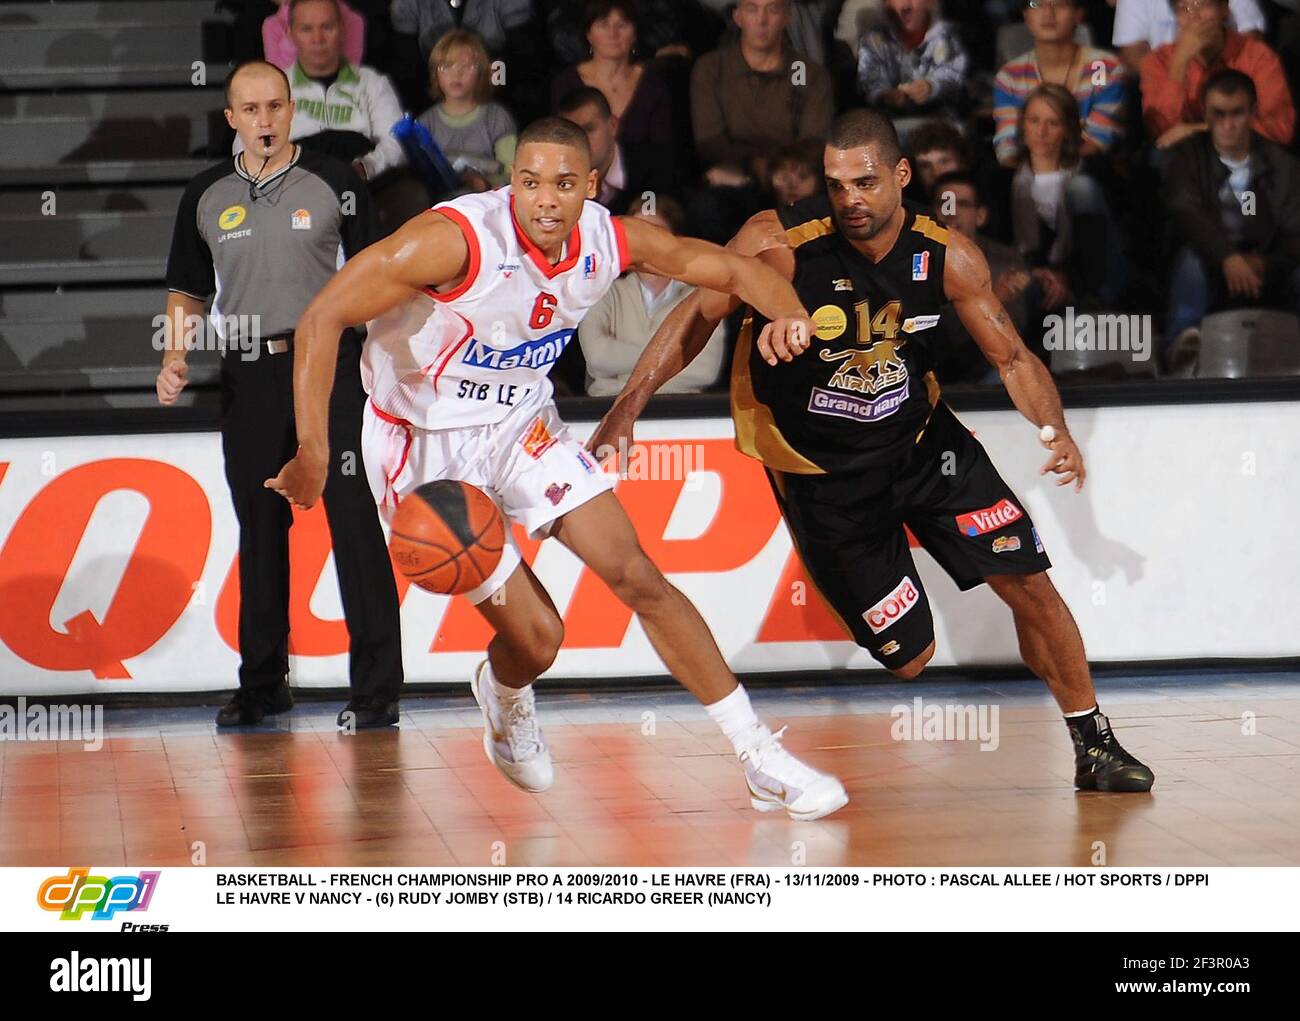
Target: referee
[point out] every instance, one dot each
(261, 234)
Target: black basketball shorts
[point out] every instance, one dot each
(848, 529)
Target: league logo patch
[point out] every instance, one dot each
(842, 284)
(588, 465)
(1038, 543)
(920, 265)
(301, 219)
(1006, 544)
(538, 440)
(889, 648)
(555, 492)
(589, 266)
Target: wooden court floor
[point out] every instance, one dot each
(664, 789)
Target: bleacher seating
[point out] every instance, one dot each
(104, 111)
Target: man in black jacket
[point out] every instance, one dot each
(1234, 197)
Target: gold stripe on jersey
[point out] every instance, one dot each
(932, 395)
(925, 226)
(809, 230)
(756, 431)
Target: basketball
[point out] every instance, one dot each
(447, 537)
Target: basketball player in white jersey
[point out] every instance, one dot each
(469, 306)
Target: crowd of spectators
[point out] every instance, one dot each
(1130, 156)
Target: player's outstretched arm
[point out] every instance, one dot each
(705, 264)
(428, 251)
(967, 285)
(686, 331)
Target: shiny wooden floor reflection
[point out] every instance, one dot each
(165, 783)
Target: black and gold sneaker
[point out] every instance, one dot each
(1100, 761)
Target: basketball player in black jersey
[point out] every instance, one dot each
(856, 442)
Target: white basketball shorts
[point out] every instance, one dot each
(528, 463)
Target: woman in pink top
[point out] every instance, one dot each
(277, 44)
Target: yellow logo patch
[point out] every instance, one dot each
(830, 322)
(231, 218)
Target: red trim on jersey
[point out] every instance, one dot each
(538, 256)
(391, 419)
(475, 257)
(620, 237)
(469, 330)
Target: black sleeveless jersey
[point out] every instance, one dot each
(862, 393)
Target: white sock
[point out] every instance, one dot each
(736, 717)
(1081, 712)
(504, 694)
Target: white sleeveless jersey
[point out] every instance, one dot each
(471, 355)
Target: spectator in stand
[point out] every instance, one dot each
(1235, 200)
(1095, 77)
(1059, 214)
(1174, 76)
(476, 135)
(936, 148)
(618, 327)
(747, 99)
(809, 21)
(959, 205)
(661, 29)
(914, 65)
(1145, 25)
(743, 99)
(623, 175)
(796, 172)
(856, 18)
(277, 40)
(637, 96)
(344, 111)
(430, 20)
(754, 95)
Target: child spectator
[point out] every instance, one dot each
(475, 134)
(796, 172)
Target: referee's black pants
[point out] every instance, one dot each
(258, 438)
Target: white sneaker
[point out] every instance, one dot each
(778, 780)
(512, 739)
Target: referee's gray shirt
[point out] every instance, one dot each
(266, 250)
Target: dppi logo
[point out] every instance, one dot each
(78, 892)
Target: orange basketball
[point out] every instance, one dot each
(447, 537)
